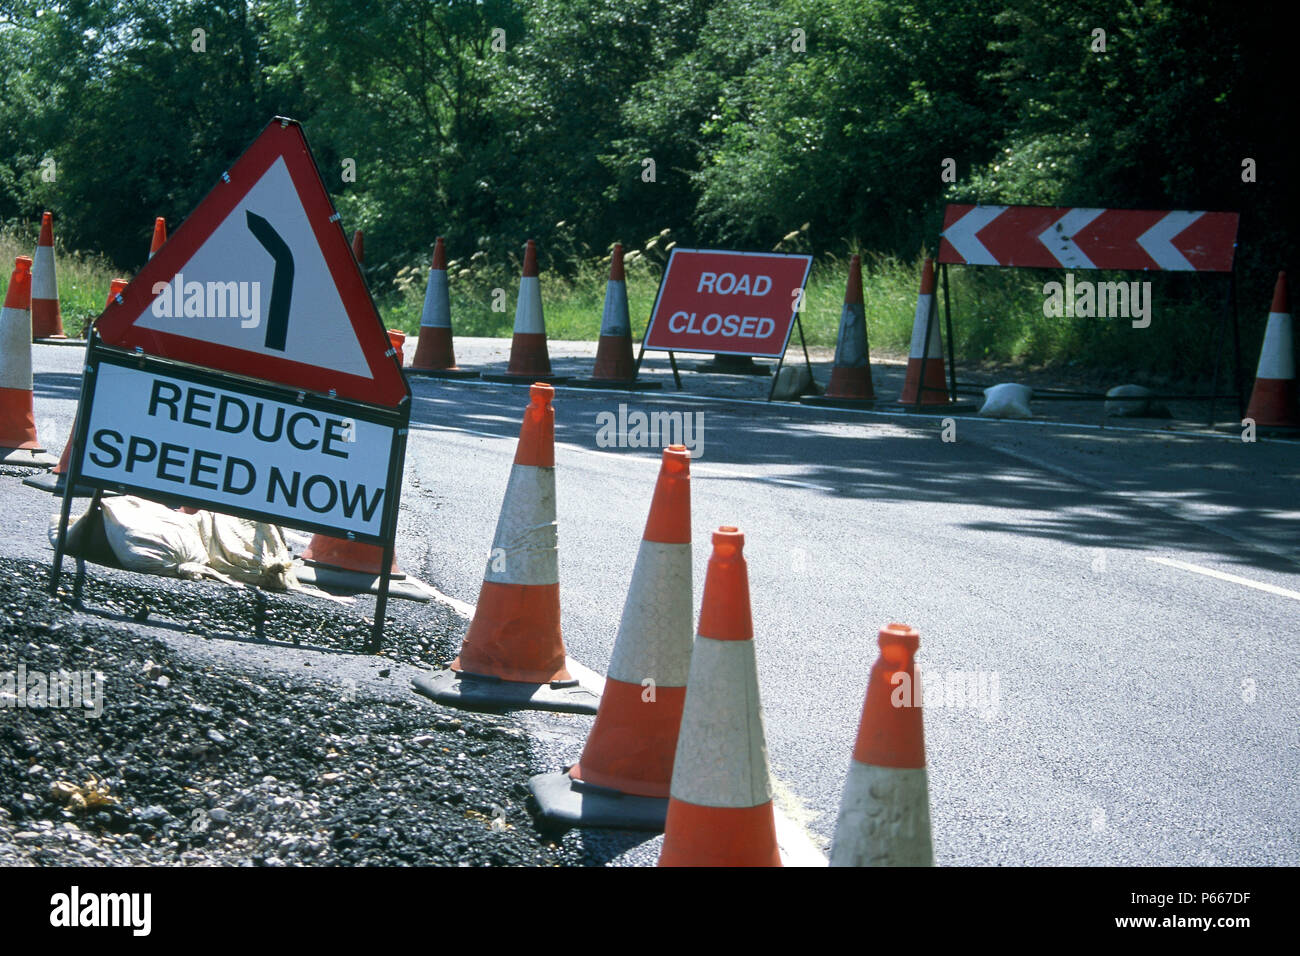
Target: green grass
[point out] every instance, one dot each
(997, 313)
(83, 279)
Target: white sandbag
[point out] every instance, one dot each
(154, 539)
(250, 551)
(1007, 401)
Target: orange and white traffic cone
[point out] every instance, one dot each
(434, 355)
(159, 236)
(355, 567)
(56, 480)
(885, 809)
(47, 320)
(1274, 402)
(615, 366)
(397, 339)
(18, 442)
(529, 359)
(926, 382)
(720, 805)
(850, 385)
(513, 654)
(626, 768)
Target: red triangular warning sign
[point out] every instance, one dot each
(260, 281)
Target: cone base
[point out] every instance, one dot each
(56, 483)
(473, 692)
(513, 379)
(442, 372)
(568, 802)
(627, 385)
(27, 458)
(961, 405)
(831, 401)
(341, 581)
(733, 365)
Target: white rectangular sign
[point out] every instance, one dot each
(237, 449)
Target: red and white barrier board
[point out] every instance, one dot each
(730, 303)
(1055, 237)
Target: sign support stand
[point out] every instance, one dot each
(798, 321)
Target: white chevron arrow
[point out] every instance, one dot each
(1158, 240)
(961, 235)
(1059, 238)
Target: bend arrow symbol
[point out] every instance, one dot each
(1158, 240)
(1059, 238)
(961, 235)
(277, 313)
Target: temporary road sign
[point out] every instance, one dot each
(1077, 238)
(260, 281)
(161, 429)
(730, 303)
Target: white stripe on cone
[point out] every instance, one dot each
(924, 307)
(528, 310)
(721, 754)
(44, 284)
(1277, 357)
(15, 349)
(614, 320)
(524, 546)
(851, 345)
(437, 302)
(884, 818)
(655, 635)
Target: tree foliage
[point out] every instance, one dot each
(490, 121)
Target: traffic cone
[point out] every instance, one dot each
(359, 247)
(513, 654)
(885, 809)
(18, 442)
(56, 480)
(1273, 401)
(850, 385)
(397, 339)
(434, 355)
(159, 236)
(615, 366)
(529, 360)
(720, 805)
(926, 382)
(355, 567)
(626, 768)
(47, 320)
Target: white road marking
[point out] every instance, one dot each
(1223, 576)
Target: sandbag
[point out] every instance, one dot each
(154, 539)
(1007, 401)
(246, 550)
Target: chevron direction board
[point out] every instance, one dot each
(1056, 237)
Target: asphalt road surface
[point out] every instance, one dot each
(1124, 602)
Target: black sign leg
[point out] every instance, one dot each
(639, 356)
(1236, 347)
(1221, 329)
(952, 345)
(73, 477)
(381, 600)
(396, 461)
(677, 376)
(776, 375)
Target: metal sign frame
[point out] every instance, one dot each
(398, 419)
(1227, 315)
(796, 321)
